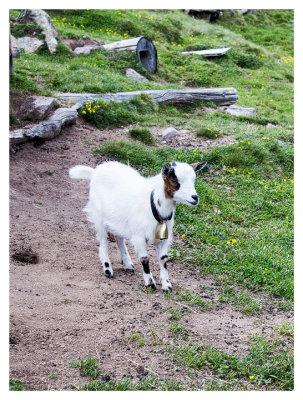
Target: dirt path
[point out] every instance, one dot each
(63, 309)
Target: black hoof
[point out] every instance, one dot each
(168, 290)
(152, 286)
(108, 274)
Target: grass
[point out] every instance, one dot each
(193, 300)
(269, 362)
(150, 383)
(15, 385)
(87, 366)
(286, 329)
(178, 330)
(208, 132)
(242, 300)
(137, 339)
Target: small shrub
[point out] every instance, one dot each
(102, 114)
(210, 133)
(247, 60)
(138, 339)
(142, 134)
(144, 103)
(88, 367)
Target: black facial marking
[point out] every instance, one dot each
(145, 264)
(174, 179)
(165, 170)
(163, 257)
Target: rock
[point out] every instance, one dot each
(281, 143)
(132, 74)
(140, 369)
(26, 43)
(42, 19)
(239, 111)
(170, 133)
(37, 107)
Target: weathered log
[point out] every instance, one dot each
(47, 129)
(209, 53)
(127, 44)
(121, 45)
(220, 96)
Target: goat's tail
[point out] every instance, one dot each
(81, 172)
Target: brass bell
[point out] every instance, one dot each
(161, 231)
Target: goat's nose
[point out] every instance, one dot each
(195, 197)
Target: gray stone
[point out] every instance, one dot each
(49, 30)
(282, 143)
(132, 74)
(239, 111)
(170, 133)
(37, 107)
(26, 43)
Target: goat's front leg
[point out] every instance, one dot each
(162, 250)
(141, 250)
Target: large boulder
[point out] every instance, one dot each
(26, 43)
(37, 107)
(49, 30)
(170, 133)
(239, 111)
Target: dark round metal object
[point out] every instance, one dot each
(147, 54)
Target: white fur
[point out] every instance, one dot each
(119, 202)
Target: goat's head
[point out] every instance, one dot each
(179, 181)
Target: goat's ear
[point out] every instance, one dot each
(198, 166)
(166, 170)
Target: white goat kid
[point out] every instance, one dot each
(132, 207)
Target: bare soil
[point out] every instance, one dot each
(63, 308)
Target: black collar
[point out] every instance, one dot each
(155, 212)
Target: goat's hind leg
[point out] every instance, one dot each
(103, 253)
(96, 218)
(125, 257)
